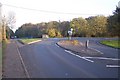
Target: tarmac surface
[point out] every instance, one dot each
(12, 66)
(45, 59)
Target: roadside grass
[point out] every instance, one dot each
(112, 43)
(4, 45)
(27, 41)
(0, 56)
(2, 51)
(1, 62)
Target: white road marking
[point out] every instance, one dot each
(34, 42)
(56, 45)
(69, 52)
(112, 66)
(87, 59)
(26, 71)
(96, 50)
(102, 58)
(78, 56)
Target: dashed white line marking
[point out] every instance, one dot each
(112, 66)
(102, 58)
(78, 56)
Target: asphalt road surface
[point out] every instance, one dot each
(45, 59)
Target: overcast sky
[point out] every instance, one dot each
(36, 11)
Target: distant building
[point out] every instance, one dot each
(45, 36)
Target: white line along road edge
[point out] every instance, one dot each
(79, 56)
(26, 71)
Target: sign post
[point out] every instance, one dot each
(70, 34)
(86, 44)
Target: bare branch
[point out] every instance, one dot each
(11, 20)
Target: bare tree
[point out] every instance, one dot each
(11, 20)
(10, 23)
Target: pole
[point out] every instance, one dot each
(4, 28)
(87, 43)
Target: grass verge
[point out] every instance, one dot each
(27, 41)
(2, 51)
(3, 47)
(0, 56)
(112, 43)
(1, 62)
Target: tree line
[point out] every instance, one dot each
(93, 26)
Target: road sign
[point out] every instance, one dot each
(70, 32)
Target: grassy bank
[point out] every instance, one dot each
(112, 43)
(0, 56)
(27, 41)
(2, 51)
(0, 62)
(3, 47)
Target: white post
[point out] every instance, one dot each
(87, 43)
(71, 32)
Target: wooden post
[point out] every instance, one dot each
(4, 28)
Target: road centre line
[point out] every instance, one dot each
(78, 56)
(102, 58)
(112, 66)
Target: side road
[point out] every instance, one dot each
(12, 65)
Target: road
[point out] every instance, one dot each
(107, 51)
(45, 59)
